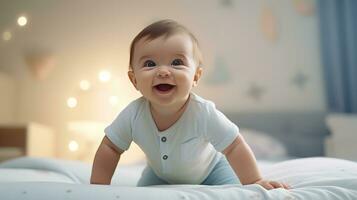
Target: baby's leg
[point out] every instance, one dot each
(148, 177)
(222, 174)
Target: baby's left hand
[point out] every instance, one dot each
(272, 184)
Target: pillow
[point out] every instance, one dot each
(263, 145)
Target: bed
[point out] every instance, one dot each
(40, 178)
(298, 161)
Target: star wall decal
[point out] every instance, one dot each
(255, 92)
(227, 3)
(300, 80)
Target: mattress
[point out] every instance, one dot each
(310, 178)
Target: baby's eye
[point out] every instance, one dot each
(177, 62)
(149, 63)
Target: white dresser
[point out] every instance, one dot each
(20, 139)
(31, 139)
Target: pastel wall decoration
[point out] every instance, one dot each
(220, 74)
(255, 92)
(269, 24)
(304, 7)
(227, 3)
(300, 80)
(40, 62)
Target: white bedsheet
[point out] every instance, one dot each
(311, 178)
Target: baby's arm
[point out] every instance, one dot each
(105, 162)
(242, 160)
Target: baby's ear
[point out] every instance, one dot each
(132, 78)
(197, 76)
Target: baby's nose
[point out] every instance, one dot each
(163, 72)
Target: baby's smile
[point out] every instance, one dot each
(164, 88)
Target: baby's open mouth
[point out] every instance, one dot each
(164, 87)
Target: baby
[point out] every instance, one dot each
(185, 138)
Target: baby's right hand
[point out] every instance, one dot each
(272, 184)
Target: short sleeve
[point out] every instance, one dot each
(119, 131)
(220, 131)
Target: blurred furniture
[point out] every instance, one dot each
(8, 99)
(302, 133)
(342, 142)
(30, 139)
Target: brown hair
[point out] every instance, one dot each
(165, 28)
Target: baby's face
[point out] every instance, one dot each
(164, 69)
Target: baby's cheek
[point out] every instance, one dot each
(185, 86)
(185, 78)
(144, 82)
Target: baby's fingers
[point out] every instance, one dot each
(286, 186)
(267, 186)
(276, 184)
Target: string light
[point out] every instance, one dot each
(84, 85)
(7, 36)
(22, 21)
(71, 102)
(73, 146)
(104, 76)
